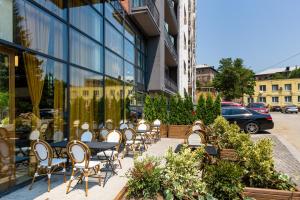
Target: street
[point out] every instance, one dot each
(287, 126)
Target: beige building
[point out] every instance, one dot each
(279, 92)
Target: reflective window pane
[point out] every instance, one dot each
(129, 72)
(98, 4)
(85, 18)
(86, 100)
(113, 65)
(6, 20)
(129, 33)
(113, 16)
(129, 51)
(38, 30)
(85, 52)
(57, 7)
(113, 39)
(139, 76)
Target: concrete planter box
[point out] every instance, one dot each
(262, 194)
(122, 195)
(164, 130)
(178, 131)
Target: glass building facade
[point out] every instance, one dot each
(63, 63)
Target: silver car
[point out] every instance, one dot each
(290, 109)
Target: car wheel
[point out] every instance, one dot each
(252, 128)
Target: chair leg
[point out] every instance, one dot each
(49, 178)
(86, 175)
(119, 162)
(64, 171)
(70, 181)
(36, 174)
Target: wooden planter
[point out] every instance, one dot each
(122, 195)
(229, 154)
(263, 194)
(164, 131)
(178, 131)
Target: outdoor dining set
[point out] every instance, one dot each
(93, 152)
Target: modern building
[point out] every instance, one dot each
(186, 45)
(64, 62)
(275, 88)
(192, 48)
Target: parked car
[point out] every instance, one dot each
(258, 107)
(248, 120)
(290, 109)
(229, 103)
(276, 109)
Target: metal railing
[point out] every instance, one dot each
(171, 5)
(151, 6)
(170, 84)
(170, 44)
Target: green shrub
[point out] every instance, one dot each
(217, 107)
(188, 110)
(163, 111)
(148, 108)
(173, 118)
(224, 180)
(201, 108)
(144, 179)
(210, 116)
(181, 177)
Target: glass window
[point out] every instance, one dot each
(113, 65)
(113, 39)
(250, 100)
(6, 20)
(262, 99)
(85, 18)
(299, 86)
(262, 88)
(275, 99)
(239, 112)
(298, 98)
(86, 105)
(98, 4)
(129, 51)
(38, 30)
(129, 33)
(113, 16)
(85, 52)
(57, 7)
(139, 74)
(287, 87)
(129, 72)
(275, 87)
(114, 100)
(288, 99)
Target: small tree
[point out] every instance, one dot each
(173, 110)
(210, 116)
(148, 108)
(189, 110)
(155, 108)
(200, 111)
(217, 107)
(180, 112)
(163, 112)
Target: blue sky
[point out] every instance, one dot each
(262, 32)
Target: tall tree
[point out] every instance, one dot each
(210, 111)
(234, 79)
(200, 111)
(295, 73)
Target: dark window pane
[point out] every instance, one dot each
(38, 30)
(85, 18)
(57, 7)
(85, 52)
(239, 111)
(86, 100)
(129, 51)
(113, 16)
(113, 65)
(129, 72)
(113, 39)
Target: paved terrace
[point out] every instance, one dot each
(108, 192)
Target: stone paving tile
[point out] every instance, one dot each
(285, 161)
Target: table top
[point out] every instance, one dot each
(92, 145)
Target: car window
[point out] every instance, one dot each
(226, 111)
(239, 112)
(257, 105)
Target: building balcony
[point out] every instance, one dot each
(170, 51)
(170, 17)
(146, 16)
(171, 85)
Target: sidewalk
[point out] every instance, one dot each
(113, 186)
(287, 158)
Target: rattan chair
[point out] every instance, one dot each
(87, 135)
(45, 160)
(103, 134)
(82, 166)
(156, 128)
(109, 124)
(195, 138)
(142, 134)
(113, 136)
(130, 142)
